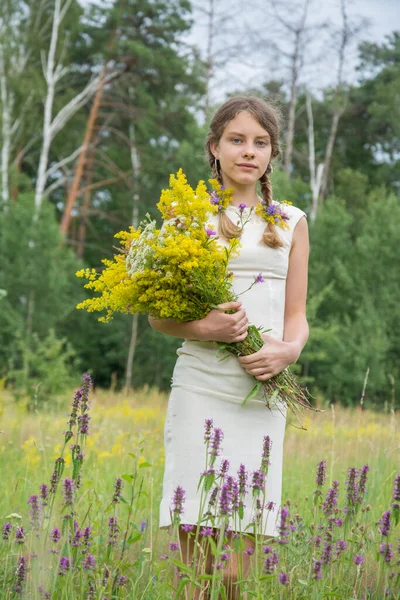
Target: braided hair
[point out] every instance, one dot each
(269, 118)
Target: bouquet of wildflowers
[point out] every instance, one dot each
(180, 272)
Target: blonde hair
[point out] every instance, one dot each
(269, 118)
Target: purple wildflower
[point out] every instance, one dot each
(242, 477)
(270, 506)
(83, 423)
(44, 492)
(216, 440)
(118, 485)
(163, 556)
(283, 526)
(266, 454)
(242, 206)
(6, 530)
(249, 551)
(330, 501)
(327, 554)
(208, 426)
(352, 490)
(338, 522)
(213, 497)
(276, 211)
(214, 198)
(358, 559)
(65, 564)
(122, 581)
(55, 535)
(321, 473)
(341, 546)
(270, 563)
(283, 579)
(317, 541)
(56, 476)
(385, 523)
(362, 487)
(173, 546)
(20, 575)
(77, 539)
(267, 549)
(69, 491)
(385, 550)
(187, 528)
(258, 482)
(143, 525)
(106, 577)
(206, 531)
(225, 499)
(35, 511)
(235, 495)
(112, 531)
(89, 562)
(259, 278)
(210, 232)
(177, 501)
(20, 535)
(224, 468)
(317, 569)
(396, 489)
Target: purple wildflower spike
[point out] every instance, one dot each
(225, 499)
(112, 531)
(224, 468)
(352, 491)
(330, 501)
(173, 546)
(6, 531)
(117, 491)
(396, 493)
(259, 278)
(283, 579)
(284, 526)
(242, 206)
(317, 569)
(385, 550)
(258, 482)
(122, 581)
(321, 473)
(55, 535)
(266, 454)
(362, 486)
(34, 511)
(206, 531)
(44, 492)
(89, 562)
(178, 501)
(65, 565)
(358, 559)
(187, 528)
(210, 232)
(20, 575)
(216, 441)
(208, 426)
(20, 535)
(69, 491)
(384, 523)
(270, 563)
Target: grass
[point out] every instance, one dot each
(126, 440)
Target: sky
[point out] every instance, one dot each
(255, 62)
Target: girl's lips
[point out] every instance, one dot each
(247, 167)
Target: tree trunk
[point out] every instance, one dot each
(6, 101)
(74, 189)
(135, 161)
(209, 58)
(85, 207)
(315, 174)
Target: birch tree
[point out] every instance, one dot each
(53, 72)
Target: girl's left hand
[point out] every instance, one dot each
(272, 359)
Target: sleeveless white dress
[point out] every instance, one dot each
(205, 387)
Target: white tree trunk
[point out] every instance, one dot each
(6, 100)
(135, 161)
(315, 174)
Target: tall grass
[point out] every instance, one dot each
(97, 536)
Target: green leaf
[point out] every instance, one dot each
(253, 392)
(134, 537)
(128, 478)
(144, 465)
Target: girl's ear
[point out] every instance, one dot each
(214, 149)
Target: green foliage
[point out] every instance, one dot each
(43, 369)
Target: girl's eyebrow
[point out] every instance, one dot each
(266, 135)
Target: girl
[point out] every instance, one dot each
(242, 141)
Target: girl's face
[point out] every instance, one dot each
(244, 150)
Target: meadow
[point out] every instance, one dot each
(97, 536)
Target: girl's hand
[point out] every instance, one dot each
(218, 326)
(272, 359)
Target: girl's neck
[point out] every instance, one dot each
(242, 194)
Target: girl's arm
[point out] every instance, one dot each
(217, 326)
(276, 355)
(295, 321)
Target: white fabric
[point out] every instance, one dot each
(205, 387)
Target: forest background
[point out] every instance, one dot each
(99, 103)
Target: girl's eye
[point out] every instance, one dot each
(262, 143)
(235, 140)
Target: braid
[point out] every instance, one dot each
(226, 228)
(270, 236)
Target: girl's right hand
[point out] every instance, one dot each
(218, 326)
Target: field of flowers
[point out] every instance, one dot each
(81, 488)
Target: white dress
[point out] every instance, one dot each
(204, 387)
